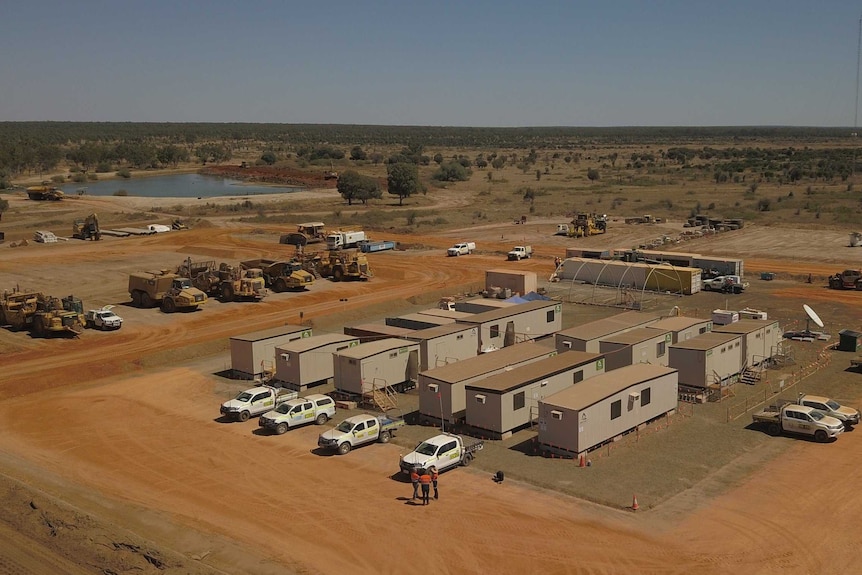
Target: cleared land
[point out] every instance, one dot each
(114, 460)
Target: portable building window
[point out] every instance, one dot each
(285, 357)
(702, 330)
(480, 399)
(645, 396)
(518, 401)
(556, 414)
(616, 409)
(578, 376)
(433, 387)
(737, 343)
(393, 355)
(550, 316)
(351, 361)
(459, 336)
(495, 330)
(567, 344)
(660, 349)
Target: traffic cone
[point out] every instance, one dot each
(635, 505)
(583, 461)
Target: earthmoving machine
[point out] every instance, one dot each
(87, 228)
(17, 308)
(338, 264)
(848, 279)
(45, 193)
(204, 275)
(171, 291)
(178, 224)
(281, 275)
(55, 316)
(330, 174)
(584, 225)
(241, 284)
(306, 233)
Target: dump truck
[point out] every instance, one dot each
(338, 265)
(87, 228)
(443, 451)
(281, 275)
(520, 252)
(55, 316)
(315, 408)
(169, 291)
(792, 418)
(306, 233)
(848, 279)
(359, 430)
(255, 401)
(45, 193)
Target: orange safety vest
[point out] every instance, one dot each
(434, 475)
(425, 479)
(414, 477)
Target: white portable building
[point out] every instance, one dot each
(376, 331)
(761, 339)
(418, 321)
(586, 337)
(253, 354)
(445, 344)
(640, 345)
(708, 360)
(682, 327)
(521, 322)
(305, 362)
(388, 363)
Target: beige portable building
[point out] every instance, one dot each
(481, 305)
(441, 390)
(586, 337)
(711, 359)
(376, 331)
(388, 363)
(640, 345)
(683, 328)
(499, 404)
(418, 321)
(253, 354)
(444, 344)
(594, 412)
(761, 339)
(306, 362)
(518, 281)
(521, 322)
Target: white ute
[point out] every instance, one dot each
(520, 253)
(443, 451)
(461, 249)
(359, 430)
(316, 407)
(103, 318)
(255, 401)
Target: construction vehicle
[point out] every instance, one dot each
(178, 224)
(359, 430)
(799, 419)
(339, 265)
(168, 290)
(256, 401)
(585, 225)
(442, 451)
(45, 193)
(281, 275)
(339, 240)
(306, 233)
(204, 275)
(17, 308)
(241, 284)
(848, 279)
(55, 316)
(87, 228)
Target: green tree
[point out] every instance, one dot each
(357, 153)
(593, 174)
(452, 172)
(402, 180)
(498, 162)
(438, 158)
(354, 186)
(269, 157)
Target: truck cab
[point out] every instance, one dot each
(846, 415)
(316, 407)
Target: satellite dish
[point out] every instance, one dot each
(812, 315)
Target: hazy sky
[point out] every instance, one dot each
(468, 63)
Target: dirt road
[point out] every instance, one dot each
(156, 483)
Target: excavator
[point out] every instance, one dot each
(87, 228)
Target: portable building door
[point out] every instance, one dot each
(413, 366)
(509, 338)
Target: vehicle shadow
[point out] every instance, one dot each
(225, 419)
(399, 477)
(322, 452)
(794, 436)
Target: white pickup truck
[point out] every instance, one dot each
(103, 318)
(799, 419)
(316, 407)
(359, 430)
(725, 284)
(461, 249)
(443, 451)
(832, 408)
(520, 253)
(255, 401)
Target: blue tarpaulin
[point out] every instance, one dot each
(531, 296)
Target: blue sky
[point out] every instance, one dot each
(479, 63)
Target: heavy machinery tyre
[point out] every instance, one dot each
(468, 459)
(321, 419)
(337, 274)
(820, 436)
(385, 436)
(244, 415)
(280, 285)
(136, 299)
(774, 429)
(168, 305)
(146, 300)
(281, 428)
(344, 448)
(227, 292)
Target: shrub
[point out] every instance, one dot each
(103, 168)
(124, 173)
(58, 179)
(79, 178)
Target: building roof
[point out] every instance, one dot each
(679, 323)
(605, 327)
(272, 332)
(489, 362)
(744, 326)
(510, 272)
(637, 335)
(704, 341)
(532, 372)
(316, 341)
(517, 309)
(604, 385)
(427, 318)
(438, 331)
(380, 329)
(451, 313)
(365, 350)
(488, 302)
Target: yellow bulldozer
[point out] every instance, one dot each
(338, 264)
(87, 228)
(584, 225)
(40, 314)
